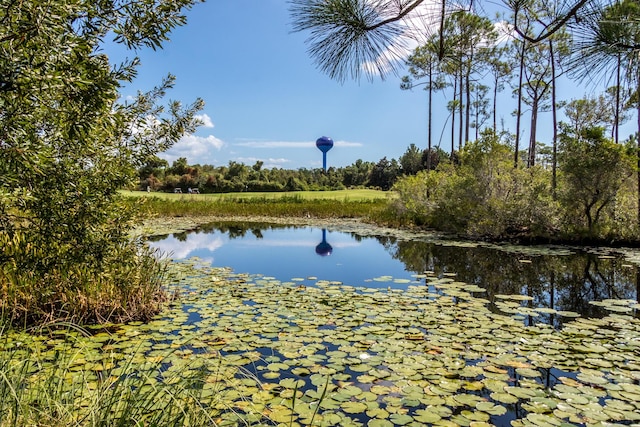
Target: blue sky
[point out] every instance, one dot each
(265, 99)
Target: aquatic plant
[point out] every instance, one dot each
(257, 351)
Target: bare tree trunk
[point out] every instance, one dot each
(495, 105)
(532, 139)
(430, 116)
(477, 118)
(519, 113)
(460, 107)
(554, 112)
(638, 141)
(616, 117)
(467, 107)
(453, 117)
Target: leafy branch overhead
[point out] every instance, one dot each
(355, 38)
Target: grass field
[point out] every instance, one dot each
(371, 205)
(342, 195)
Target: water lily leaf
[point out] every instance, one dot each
(291, 383)
(377, 412)
(426, 416)
(527, 372)
(504, 397)
(353, 407)
(543, 420)
(379, 423)
(401, 419)
(592, 379)
(520, 392)
(271, 375)
(490, 408)
(468, 399)
(278, 366)
(281, 414)
(515, 297)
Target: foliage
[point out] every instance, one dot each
(44, 387)
(595, 171)
(67, 145)
(482, 197)
(384, 173)
(237, 177)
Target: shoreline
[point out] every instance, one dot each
(165, 225)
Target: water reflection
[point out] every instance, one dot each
(564, 282)
(324, 248)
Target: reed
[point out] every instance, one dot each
(41, 387)
(127, 286)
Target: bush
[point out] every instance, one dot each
(126, 284)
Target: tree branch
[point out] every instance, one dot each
(398, 17)
(550, 29)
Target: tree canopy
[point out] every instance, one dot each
(67, 142)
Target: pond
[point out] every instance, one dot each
(562, 280)
(352, 326)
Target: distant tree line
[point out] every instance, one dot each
(158, 175)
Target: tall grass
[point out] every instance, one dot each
(43, 387)
(283, 206)
(129, 285)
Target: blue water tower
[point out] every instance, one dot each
(324, 144)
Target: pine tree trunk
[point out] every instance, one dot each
(554, 112)
(532, 139)
(519, 113)
(430, 116)
(467, 107)
(460, 107)
(616, 117)
(638, 141)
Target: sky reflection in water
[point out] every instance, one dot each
(567, 282)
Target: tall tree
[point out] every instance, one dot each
(608, 38)
(500, 69)
(467, 35)
(411, 160)
(594, 170)
(67, 144)
(424, 64)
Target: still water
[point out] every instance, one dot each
(560, 278)
(452, 346)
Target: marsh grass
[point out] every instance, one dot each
(44, 387)
(376, 209)
(129, 285)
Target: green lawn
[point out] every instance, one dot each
(349, 195)
(365, 204)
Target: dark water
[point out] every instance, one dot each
(565, 282)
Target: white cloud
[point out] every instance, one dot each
(195, 242)
(347, 144)
(298, 243)
(194, 148)
(293, 144)
(276, 144)
(205, 119)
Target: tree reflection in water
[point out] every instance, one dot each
(563, 283)
(559, 279)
